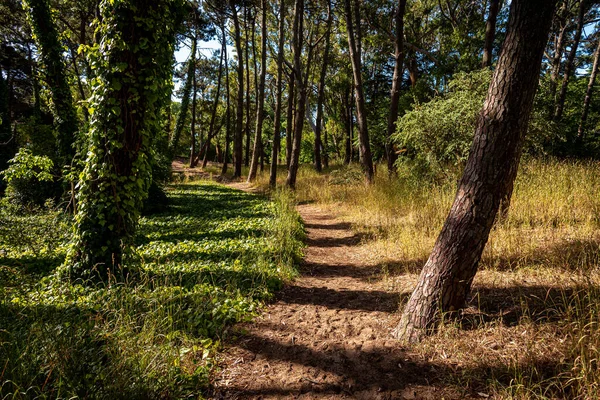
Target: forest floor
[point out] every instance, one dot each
(327, 335)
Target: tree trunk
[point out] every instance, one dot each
(50, 48)
(289, 130)
(559, 45)
(361, 110)
(347, 115)
(278, 96)
(260, 94)
(321, 94)
(560, 101)
(490, 171)
(490, 33)
(247, 13)
(194, 107)
(396, 83)
(185, 101)
(239, 120)
(300, 93)
(227, 111)
(588, 94)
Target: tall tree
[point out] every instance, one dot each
(396, 83)
(185, 99)
(132, 83)
(194, 105)
(278, 97)
(355, 50)
(570, 64)
(588, 94)
(227, 100)
(489, 174)
(490, 33)
(260, 94)
(321, 90)
(239, 119)
(50, 48)
(289, 124)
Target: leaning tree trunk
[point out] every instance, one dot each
(278, 101)
(300, 93)
(361, 110)
(560, 101)
(490, 33)
(588, 94)
(490, 171)
(51, 50)
(125, 117)
(396, 83)
(260, 93)
(321, 94)
(239, 117)
(559, 45)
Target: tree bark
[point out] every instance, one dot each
(446, 278)
(559, 45)
(289, 130)
(239, 120)
(396, 83)
(354, 44)
(260, 93)
(588, 94)
(194, 108)
(560, 101)
(247, 13)
(321, 93)
(347, 115)
(490, 33)
(300, 93)
(278, 96)
(228, 108)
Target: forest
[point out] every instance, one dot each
(317, 199)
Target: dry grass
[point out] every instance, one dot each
(531, 329)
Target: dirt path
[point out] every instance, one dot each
(327, 335)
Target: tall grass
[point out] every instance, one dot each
(531, 329)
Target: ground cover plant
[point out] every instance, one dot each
(531, 326)
(207, 262)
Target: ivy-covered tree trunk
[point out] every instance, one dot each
(185, 100)
(50, 49)
(132, 82)
(490, 171)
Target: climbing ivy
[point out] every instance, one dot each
(54, 73)
(132, 70)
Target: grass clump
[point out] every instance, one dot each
(207, 262)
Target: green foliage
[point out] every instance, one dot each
(133, 69)
(206, 263)
(30, 179)
(435, 137)
(47, 40)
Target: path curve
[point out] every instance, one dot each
(328, 333)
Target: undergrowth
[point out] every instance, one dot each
(207, 262)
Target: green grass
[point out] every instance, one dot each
(208, 262)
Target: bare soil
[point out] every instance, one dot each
(327, 335)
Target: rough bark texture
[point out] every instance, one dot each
(396, 82)
(490, 33)
(278, 96)
(300, 93)
(239, 120)
(489, 174)
(588, 94)
(354, 44)
(347, 116)
(560, 101)
(260, 93)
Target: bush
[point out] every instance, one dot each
(436, 136)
